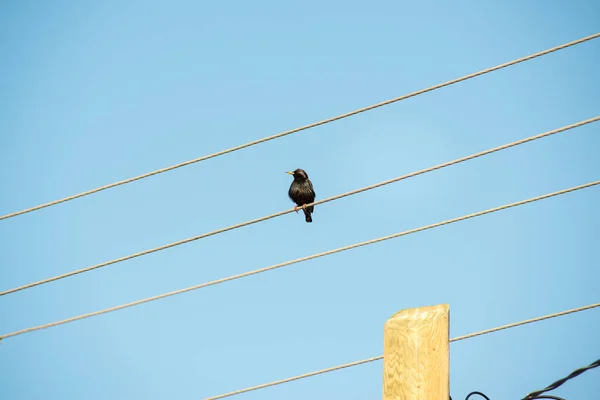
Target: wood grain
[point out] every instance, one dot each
(416, 354)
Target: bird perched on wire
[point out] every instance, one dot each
(301, 192)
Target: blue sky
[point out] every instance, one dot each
(95, 92)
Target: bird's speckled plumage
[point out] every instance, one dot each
(301, 192)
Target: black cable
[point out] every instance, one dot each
(478, 393)
(538, 394)
(472, 393)
(546, 396)
(577, 372)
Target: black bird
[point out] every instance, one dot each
(301, 192)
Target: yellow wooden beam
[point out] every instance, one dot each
(416, 354)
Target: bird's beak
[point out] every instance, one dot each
(291, 173)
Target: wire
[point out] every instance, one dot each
(315, 124)
(577, 372)
(353, 192)
(368, 360)
(533, 398)
(475, 393)
(527, 321)
(325, 253)
(549, 397)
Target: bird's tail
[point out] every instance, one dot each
(307, 212)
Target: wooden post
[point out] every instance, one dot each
(416, 354)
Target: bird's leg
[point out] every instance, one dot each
(296, 208)
(304, 207)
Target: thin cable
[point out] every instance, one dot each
(527, 321)
(283, 264)
(325, 121)
(353, 192)
(368, 360)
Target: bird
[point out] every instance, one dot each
(301, 192)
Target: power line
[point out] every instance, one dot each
(353, 192)
(368, 360)
(540, 393)
(315, 124)
(577, 372)
(473, 394)
(325, 253)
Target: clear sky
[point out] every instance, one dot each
(95, 92)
